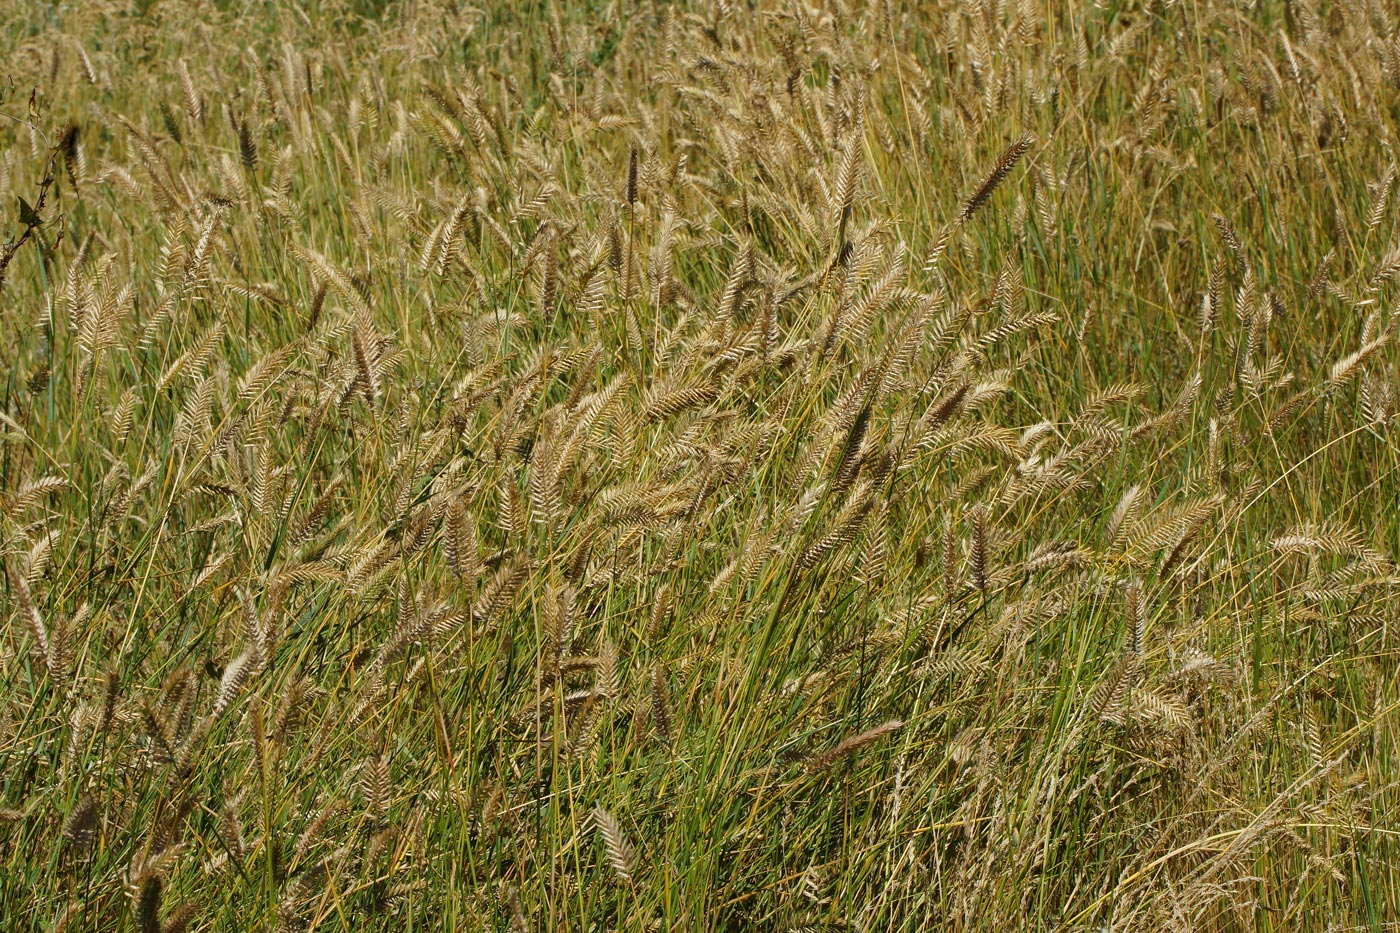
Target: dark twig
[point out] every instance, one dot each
(30, 215)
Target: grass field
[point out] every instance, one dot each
(699, 466)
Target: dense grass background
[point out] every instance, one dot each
(686, 466)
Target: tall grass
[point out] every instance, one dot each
(699, 466)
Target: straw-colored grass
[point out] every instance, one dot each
(717, 466)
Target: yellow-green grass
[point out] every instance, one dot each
(699, 466)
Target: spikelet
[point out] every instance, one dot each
(852, 744)
(247, 145)
(1151, 706)
(1380, 199)
(844, 527)
(606, 684)
(1123, 513)
(1320, 278)
(1346, 368)
(1327, 538)
(661, 705)
(660, 614)
(122, 416)
(1137, 619)
(1177, 552)
(1231, 238)
(1386, 269)
(1107, 701)
(849, 461)
(512, 515)
(1210, 299)
(629, 192)
(518, 921)
(375, 783)
(318, 302)
(80, 828)
(459, 540)
(89, 72)
(547, 285)
(950, 560)
(977, 548)
(501, 590)
(29, 493)
(1005, 163)
(367, 377)
(179, 919)
(662, 270)
(171, 122)
(559, 616)
(615, 844)
(264, 374)
(50, 645)
(194, 105)
(844, 192)
(235, 675)
(545, 493)
(147, 909)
